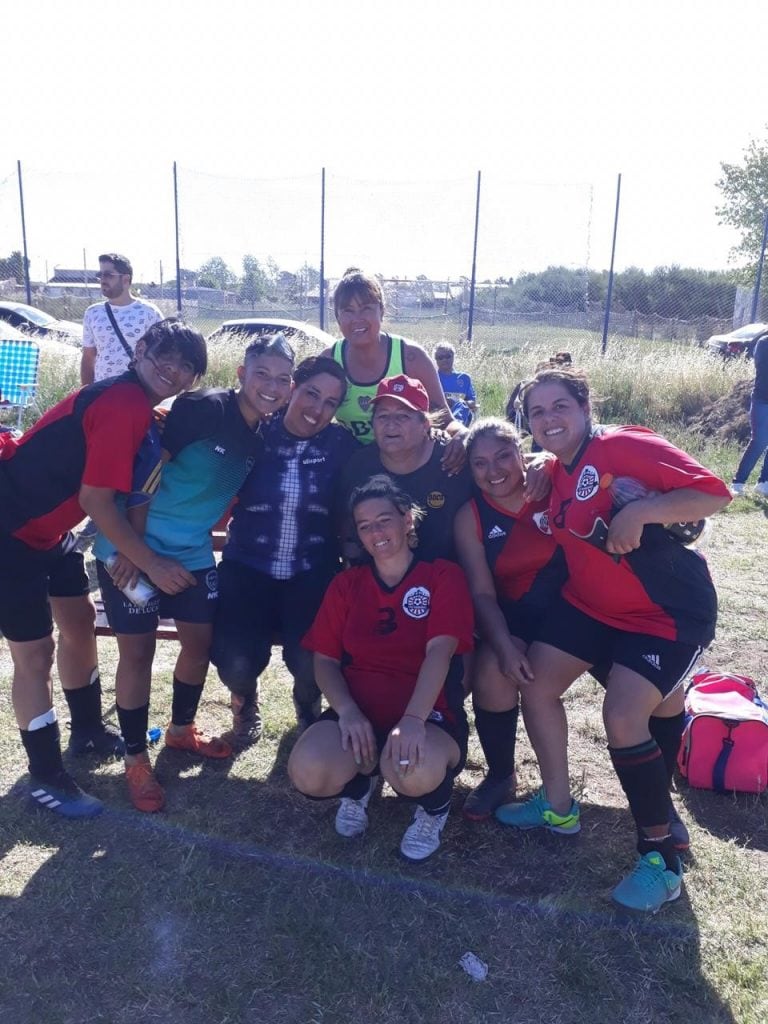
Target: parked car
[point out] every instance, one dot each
(740, 342)
(35, 322)
(52, 344)
(295, 331)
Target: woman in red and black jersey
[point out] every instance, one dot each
(515, 570)
(638, 607)
(387, 640)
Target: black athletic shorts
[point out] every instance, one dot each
(28, 578)
(665, 663)
(195, 604)
(522, 619)
(458, 730)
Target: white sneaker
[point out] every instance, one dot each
(762, 488)
(352, 815)
(737, 489)
(422, 837)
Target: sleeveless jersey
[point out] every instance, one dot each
(355, 411)
(526, 564)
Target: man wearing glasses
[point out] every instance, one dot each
(112, 328)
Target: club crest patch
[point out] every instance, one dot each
(588, 485)
(416, 602)
(398, 387)
(364, 401)
(212, 581)
(542, 522)
(435, 499)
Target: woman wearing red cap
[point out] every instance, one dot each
(406, 448)
(369, 355)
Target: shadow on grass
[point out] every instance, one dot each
(146, 917)
(738, 817)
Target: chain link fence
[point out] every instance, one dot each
(256, 246)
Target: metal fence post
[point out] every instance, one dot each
(24, 236)
(322, 251)
(471, 314)
(176, 222)
(610, 273)
(756, 296)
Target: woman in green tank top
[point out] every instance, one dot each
(369, 354)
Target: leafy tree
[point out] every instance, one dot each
(253, 285)
(745, 198)
(12, 267)
(215, 273)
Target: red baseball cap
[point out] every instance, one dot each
(408, 390)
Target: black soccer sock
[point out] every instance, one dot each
(438, 801)
(133, 726)
(668, 732)
(186, 698)
(497, 732)
(643, 777)
(85, 704)
(43, 749)
(357, 787)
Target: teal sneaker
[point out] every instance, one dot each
(649, 885)
(537, 812)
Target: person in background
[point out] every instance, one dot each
(458, 387)
(112, 328)
(387, 640)
(75, 461)
(515, 571)
(369, 355)
(210, 442)
(758, 419)
(283, 548)
(637, 609)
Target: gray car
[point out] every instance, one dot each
(740, 342)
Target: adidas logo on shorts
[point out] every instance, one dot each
(653, 660)
(495, 532)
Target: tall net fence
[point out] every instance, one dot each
(252, 246)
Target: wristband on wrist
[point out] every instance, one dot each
(417, 717)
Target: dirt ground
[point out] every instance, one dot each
(726, 418)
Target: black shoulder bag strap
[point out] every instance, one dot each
(118, 332)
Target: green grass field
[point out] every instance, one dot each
(239, 904)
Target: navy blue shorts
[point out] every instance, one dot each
(195, 604)
(28, 578)
(665, 663)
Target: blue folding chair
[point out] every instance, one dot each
(19, 365)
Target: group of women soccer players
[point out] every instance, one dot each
(468, 572)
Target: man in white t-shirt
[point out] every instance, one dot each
(104, 354)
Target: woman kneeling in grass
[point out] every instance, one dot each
(386, 641)
(638, 607)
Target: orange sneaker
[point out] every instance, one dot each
(144, 790)
(197, 742)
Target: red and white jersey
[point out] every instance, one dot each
(380, 633)
(663, 588)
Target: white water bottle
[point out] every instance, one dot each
(139, 593)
